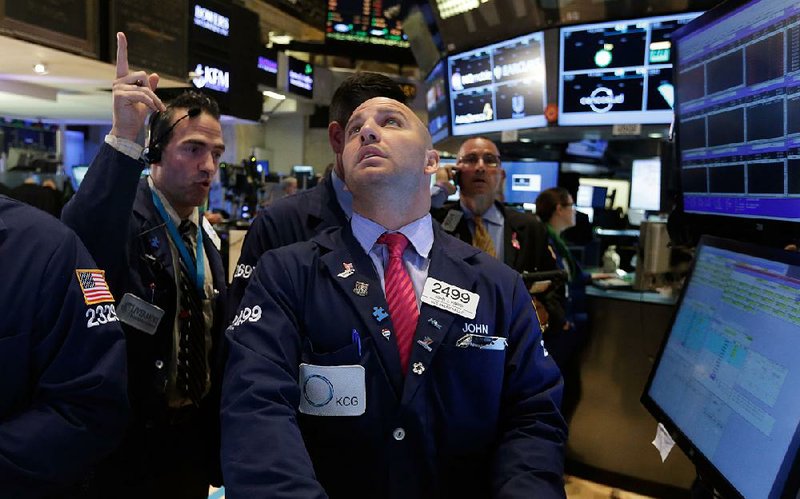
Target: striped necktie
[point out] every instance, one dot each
(482, 240)
(400, 295)
(192, 362)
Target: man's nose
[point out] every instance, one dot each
(208, 164)
(369, 133)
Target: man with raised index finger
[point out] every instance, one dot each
(386, 358)
(163, 263)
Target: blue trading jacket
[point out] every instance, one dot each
(63, 396)
(289, 220)
(475, 423)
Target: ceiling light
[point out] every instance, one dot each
(274, 95)
(40, 69)
(280, 39)
(655, 135)
(525, 139)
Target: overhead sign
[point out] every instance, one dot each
(212, 21)
(212, 78)
(301, 77)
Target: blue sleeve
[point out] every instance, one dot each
(256, 243)
(76, 410)
(438, 196)
(263, 453)
(100, 212)
(529, 461)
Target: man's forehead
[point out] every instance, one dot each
(381, 104)
(479, 144)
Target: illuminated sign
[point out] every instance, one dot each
(301, 77)
(211, 78)
(268, 65)
(212, 21)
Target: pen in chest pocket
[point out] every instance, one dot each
(357, 341)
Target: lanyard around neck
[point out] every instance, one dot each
(196, 269)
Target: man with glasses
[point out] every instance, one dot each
(516, 238)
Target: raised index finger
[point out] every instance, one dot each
(122, 55)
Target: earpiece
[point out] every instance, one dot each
(152, 153)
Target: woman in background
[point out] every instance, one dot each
(565, 337)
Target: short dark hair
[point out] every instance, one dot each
(357, 89)
(548, 200)
(190, 99)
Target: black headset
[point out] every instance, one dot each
(152, 153)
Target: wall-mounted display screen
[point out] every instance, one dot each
(591, 196)
(738, 111)
(437, 103)
(525, 180)
(300, 76)
(617, 191)
(498, 87)
(725, 381)
(366, 21)
(267, 67)
(618, 72)
(646, 184)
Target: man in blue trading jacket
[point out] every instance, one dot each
(328, 204)
(386, 358)
(163, 264)
(63, 403)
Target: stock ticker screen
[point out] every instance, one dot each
(738, 113)
(618, 72)
(376, 22)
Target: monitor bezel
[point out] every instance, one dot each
(707, 472)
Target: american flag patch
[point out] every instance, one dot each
(93, 285)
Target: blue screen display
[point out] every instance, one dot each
(727, 377)
(525, 180)
(738, 112)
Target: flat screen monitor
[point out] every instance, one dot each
(618, 191)
(437, 103)
(618, 72)
(587, 148)
(646, 184)
(76, 175)
(725, 381)
(525, 180)
(738, 111)
(591, 196)
(498, 87)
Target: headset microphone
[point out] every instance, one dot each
(152, 153)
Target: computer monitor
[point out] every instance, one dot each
(618, 72)
(618, 191)
(76, 174)
(526, 179)
(591, 196)
(437, 102)
(725, 381)
(646, 184)
(498, 87)
(738, 111)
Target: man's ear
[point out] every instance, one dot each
(431, 161)
(336, 137)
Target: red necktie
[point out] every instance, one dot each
(400, 295)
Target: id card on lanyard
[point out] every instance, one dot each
(196, 269)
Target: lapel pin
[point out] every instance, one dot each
(433, 322)
(361, 288)
(426, 343)
(154, 242)
(418, 368)
(386, 334)
(379, 313)
(348, 270)
(514, 241)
